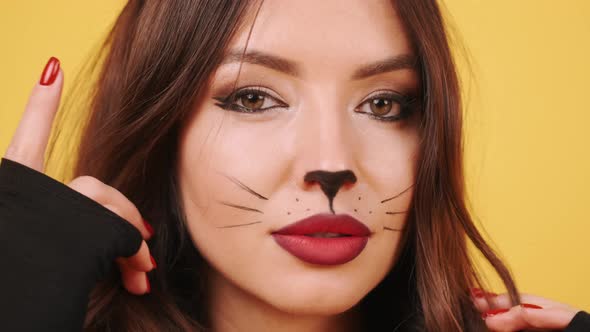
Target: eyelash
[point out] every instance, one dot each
(229, 102)
(406, 103)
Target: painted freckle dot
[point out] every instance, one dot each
(359, 198)
(307, 210)
(288, 213)
(296, 199)
(370, 212)
(355, 210)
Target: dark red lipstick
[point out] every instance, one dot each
(324, 239)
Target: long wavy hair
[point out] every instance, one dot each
(140, 87)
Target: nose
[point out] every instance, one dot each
(326, 144)
(330, 182)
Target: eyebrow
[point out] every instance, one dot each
(289, 67)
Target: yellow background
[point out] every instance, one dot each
(528, 122)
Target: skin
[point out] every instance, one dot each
(257, 285)
(28, 146)
(255, 281)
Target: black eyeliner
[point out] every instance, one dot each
(405, 102)
(228, 102)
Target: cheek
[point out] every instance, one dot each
(216, 147)
(219, 145)
(388, 156)
(219, 154)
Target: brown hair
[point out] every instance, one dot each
(149, 71)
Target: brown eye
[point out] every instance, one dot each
(252, 101)
(380, 106)
(387, 106)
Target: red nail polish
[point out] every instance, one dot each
(147, 282)
(153, 261)
(50, 72)
(149, 227)
(493, 312)
(476, 292)
(530, 306)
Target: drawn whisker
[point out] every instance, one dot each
(240, 225)
(398, 195)
(392, 229)
(241, 207)
(396, 212)
(245, 187)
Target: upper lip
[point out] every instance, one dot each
(326, 223)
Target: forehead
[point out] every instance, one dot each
(326, 33)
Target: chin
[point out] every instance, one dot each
(328, 307)
(321, 301)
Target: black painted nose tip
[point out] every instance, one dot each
(330, 182)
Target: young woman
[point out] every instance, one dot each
(300, 166)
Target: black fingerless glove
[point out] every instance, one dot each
(55, 244)
(580, 323)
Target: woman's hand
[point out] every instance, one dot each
(534, 313)
(28, 146)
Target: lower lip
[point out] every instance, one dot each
(322, 251)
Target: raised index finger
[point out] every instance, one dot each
(32, 134)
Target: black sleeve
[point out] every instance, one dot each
(580, 323)
(55, 244)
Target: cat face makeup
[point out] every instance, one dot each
(322, 120)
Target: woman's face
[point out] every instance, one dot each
(321, 113)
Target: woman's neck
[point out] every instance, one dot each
(232, 309)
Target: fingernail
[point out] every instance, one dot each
(476, 291)
(530, 306)
(153, 261)
(50, 72)
(479, 293)
(149, 227)
(147, 282)
(493, 312)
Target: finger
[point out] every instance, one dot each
(503, 300)
(480, 299)
(29, 142)
(135, 282)
(505, 319)
(113, 200)
(528, 316)
(142, 261)
(133, 270)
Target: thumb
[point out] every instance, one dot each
(32, 134)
